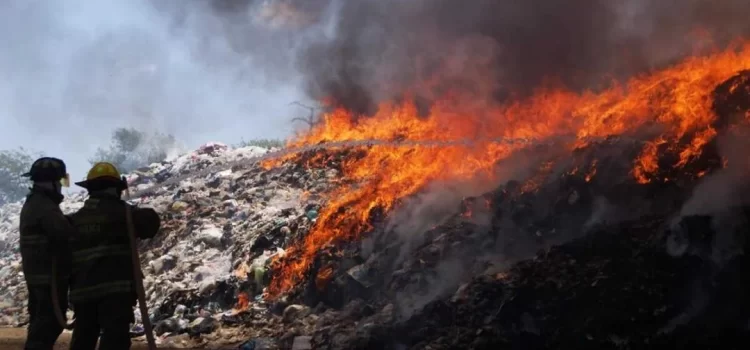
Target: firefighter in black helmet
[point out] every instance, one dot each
(102, 288)
(44, 234)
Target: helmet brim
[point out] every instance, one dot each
(102, 183)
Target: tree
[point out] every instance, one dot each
(13, 163)
(311, 119)
(131, 149)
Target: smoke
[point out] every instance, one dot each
(448, 275)
(380, 49)
(440, 202)
(603, 213)
(721, 197)
(201, 70)
(434, 206)
(727, 187)
(410, 229)
(227, 69)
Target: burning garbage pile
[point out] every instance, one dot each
(640, 157)
(482, 243)
(667, 117)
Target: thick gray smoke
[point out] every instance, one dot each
(727, 187)
(227, 69)
(492, 48)
(74, 70)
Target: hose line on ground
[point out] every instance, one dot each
(61, 319)
(138, 279)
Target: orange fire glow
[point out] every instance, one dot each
(676, 102)
(592, 171)
(324, 276)
(243, 301)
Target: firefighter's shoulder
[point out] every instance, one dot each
(147, 221)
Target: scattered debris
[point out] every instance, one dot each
(564, 259)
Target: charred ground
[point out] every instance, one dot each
(616, 264)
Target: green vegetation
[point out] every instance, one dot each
(265, 143)
(131, 149)
(13, 163)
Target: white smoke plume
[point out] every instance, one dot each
(200, 70)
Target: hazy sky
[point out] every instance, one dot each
(74, 70)
(222, 70)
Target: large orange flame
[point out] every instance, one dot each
(676, 102)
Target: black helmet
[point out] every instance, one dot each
(47, 169)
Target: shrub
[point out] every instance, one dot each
(265, 143)
(131, 149)
(13, 163)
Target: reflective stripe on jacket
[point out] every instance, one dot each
(44, 234)
(101, 247)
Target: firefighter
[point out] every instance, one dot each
(102, 288)
(44, 234)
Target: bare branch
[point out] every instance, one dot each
(300, 104)
(310, 120)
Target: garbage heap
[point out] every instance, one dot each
(520, 281)
(566, 260)
(219, 233)
(13, 292)
(574, 261)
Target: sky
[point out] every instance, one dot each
(225, 70)
(74, 70)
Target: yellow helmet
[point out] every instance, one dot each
(103, 169)
(102, 175)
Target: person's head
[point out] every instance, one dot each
(104, 177)
(50, 173)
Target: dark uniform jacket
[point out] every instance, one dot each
(102, 264)
(44, 234)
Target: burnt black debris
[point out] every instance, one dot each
(732, 100)
(615, 288)
(640, 277)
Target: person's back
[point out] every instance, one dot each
(101, 247)
(45, 258)
(43, 238)
(103, 283)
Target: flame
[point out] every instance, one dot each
(324, 276)
(592, 171)
(243, 301)
(647, 163)
(673, 105)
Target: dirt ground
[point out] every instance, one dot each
(13, 339)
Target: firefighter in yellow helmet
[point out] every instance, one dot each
(102, 288)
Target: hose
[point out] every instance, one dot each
(138, 279)
(56, 300)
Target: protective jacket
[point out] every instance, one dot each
(44, 233)
(102, 264)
